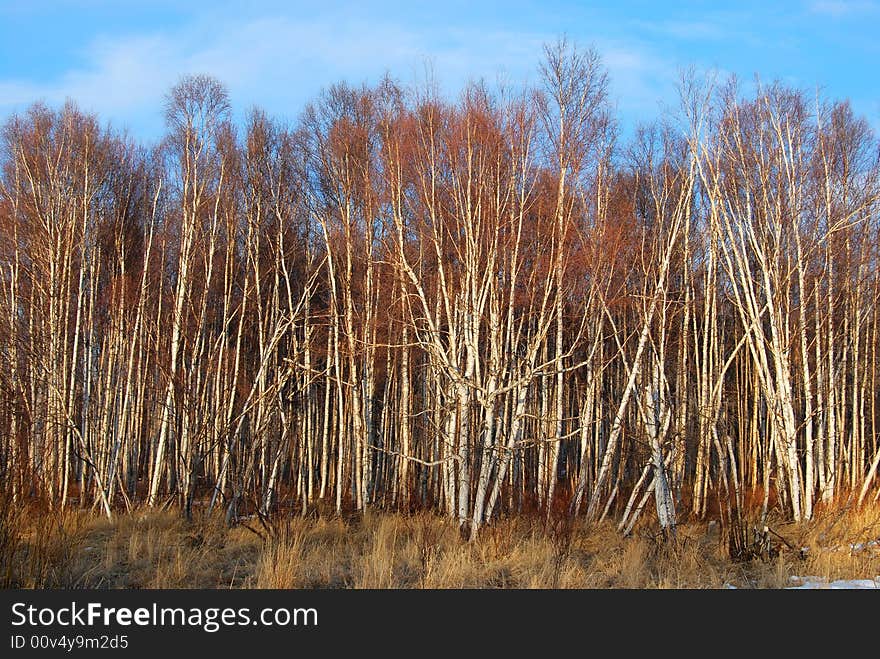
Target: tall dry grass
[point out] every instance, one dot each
(152, 549)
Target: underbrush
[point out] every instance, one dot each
(161, 549)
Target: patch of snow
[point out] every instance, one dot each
(859, 546)
(852, 547)
(812, 583)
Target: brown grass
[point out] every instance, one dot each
(151, 549)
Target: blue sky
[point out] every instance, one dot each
(119, 57)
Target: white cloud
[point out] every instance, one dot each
(839, 8)
(124, 82)
(280, 63)
(278, 59)
(686, 30)
(640, 79)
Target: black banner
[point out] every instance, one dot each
(403, 623)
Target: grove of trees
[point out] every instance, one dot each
(487, 306)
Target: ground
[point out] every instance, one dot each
(160, 549)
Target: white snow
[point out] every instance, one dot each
(811, 583)
(853, 547)
(821, 583)
(867, 545)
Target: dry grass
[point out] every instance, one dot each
(841, 543)
(149, 549)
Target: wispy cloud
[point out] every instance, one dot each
(840, 8)
(277, 61)
(281, 62)
(639, 78)
(702, 30)
(120, 75)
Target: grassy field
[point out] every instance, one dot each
(152, 549)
